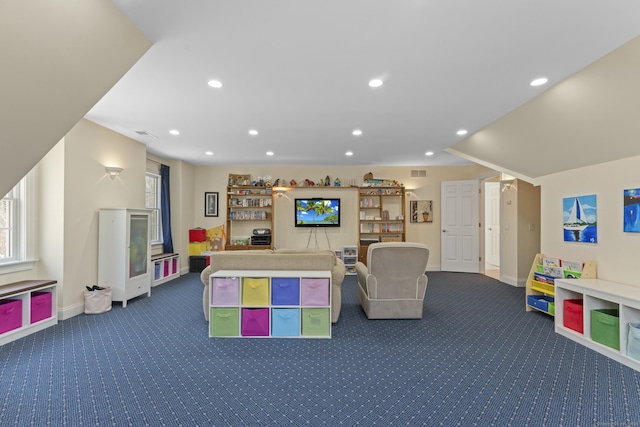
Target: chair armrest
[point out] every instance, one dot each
(422, 286)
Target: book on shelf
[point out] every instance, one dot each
(553, 271)
(544, 278)
(551, 262)
(574, 266)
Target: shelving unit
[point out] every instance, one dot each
(27, 307)
(382, 216)
(535, 288)
(165, 268)
(270, 304)
(248, 207)
(349, 258)
(599, 294)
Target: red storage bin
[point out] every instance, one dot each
(40, 306)
(10, 315)
(574, 315)
(197, 235)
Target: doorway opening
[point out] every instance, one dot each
(492, 221)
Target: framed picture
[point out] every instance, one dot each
(421, 211)
(211, 204)
(580, 219)
(630, 206)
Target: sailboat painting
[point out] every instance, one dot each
(580, 219)
(631, 209)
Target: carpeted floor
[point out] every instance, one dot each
(476, 358)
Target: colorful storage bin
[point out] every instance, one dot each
(605, 327)
(315, 322)
(197, 235)
(314, 291)
(10, 315)
(255, 322)
(225, 291)
(285, 291)
(224, 322)
(541, 302)
(285, 322)
(40, 306)
(255, 291)
(633, 341)
(197, 248)
(574, 315)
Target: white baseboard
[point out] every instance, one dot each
(71, 311)
(514, 281)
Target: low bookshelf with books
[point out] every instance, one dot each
(545, 270)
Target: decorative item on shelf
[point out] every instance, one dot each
(368, 176)
(320, 183)
(267, 181)
(239, 179)
(309, 183)
(327, 181)
(293, 183)
(337, 183)
(276, 183)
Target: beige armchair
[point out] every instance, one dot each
(393, 283)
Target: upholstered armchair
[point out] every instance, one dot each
(393, 283)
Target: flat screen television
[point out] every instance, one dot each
(317, 212)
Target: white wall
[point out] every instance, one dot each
(616, 252)
(214, 178)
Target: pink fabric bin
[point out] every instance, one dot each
(314, 291)
(255, 322)
(10, 315)
(225, 291)
(40, 306)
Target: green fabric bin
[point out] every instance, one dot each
(224, 322)
(316, 322)
(605, 327)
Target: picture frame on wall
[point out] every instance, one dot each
(211, 203)
(421, 211)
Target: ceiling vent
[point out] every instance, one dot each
(145, 133)
(419, 173)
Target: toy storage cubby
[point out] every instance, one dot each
(165, 267)
(616, 304)
(270, 304)
(27, 307)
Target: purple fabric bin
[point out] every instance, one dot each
(255, 322)
(225, 291)
(40, 306)
(314, 291)
(285, 291)
(10, 315)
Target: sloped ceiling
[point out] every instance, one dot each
(58, 59)
(590, 118)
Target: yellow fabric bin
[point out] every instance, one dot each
(196, 248)
(255, 291)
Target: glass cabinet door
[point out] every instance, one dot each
(138, 245)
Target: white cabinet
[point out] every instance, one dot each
(124, 253)
(602, 295)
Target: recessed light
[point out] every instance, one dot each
(253, 132)
(269, 153)
(215, 84)
(375, 83)
(209, 153)
(429, 153)
(349, 153)
(461, 132)
(174, 132)
(356, 132)
(539, 81)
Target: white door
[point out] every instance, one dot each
(460, 243)
(492, 223)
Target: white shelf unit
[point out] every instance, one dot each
(295, 304)
(165, 267)
(350, 258)
(598, 294)
(23, 292)
(124, 253)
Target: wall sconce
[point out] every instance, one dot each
(279, 191)
(113, 171)
(409, 191)
(507, 181)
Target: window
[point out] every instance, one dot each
(17, 230)
(9, 225)
(152, 202)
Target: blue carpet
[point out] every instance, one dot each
(476, 358)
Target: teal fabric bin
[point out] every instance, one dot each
(605, 327)
(633, 341)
